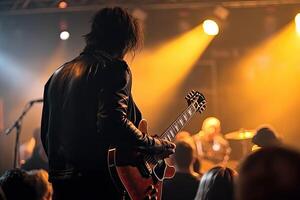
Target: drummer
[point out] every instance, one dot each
(210, 144)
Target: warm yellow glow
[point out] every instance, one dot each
(297, 22)
(210, 27)
(159, 71)
(248, 134)
(268, 79)
(275, 64)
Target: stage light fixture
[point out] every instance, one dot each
(62, 4)
(64, 35)
(210, 27)
(297, 22)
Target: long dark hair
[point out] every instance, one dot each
(115, 31)
(217, 184)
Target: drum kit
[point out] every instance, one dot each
(241, 144)
(242, 136)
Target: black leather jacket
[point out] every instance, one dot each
(88, 106)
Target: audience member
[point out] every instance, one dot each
(217, 184)
(186, 137)
(39, 179)
(185, 182)
(15, 184)
(270, 173)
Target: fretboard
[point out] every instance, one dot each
(180, 122)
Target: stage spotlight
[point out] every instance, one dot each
(210, 27)
(62, 4)
(64, 35)
(297, 22)
(161, 74)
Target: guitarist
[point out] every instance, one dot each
(88, 106)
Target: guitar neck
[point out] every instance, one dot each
(180, 122)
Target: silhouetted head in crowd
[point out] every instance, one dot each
(270, 173)
(15, 184)
(265, 137)
(18, 184)
(39, 179)
(184, 156)
(217, 184)
(186, 137)
(114, 31)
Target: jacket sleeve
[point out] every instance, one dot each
(45, 119)
(113, 106)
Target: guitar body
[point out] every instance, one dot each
(136, 177)
(140, 176)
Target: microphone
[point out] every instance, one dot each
(36, 101)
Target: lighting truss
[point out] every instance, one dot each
(16, 7)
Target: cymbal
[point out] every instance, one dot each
(241, 134)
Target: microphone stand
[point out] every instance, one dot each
(17, 125)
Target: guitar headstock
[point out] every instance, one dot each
(196, 98)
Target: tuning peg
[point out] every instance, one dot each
(189, 95)
(202, 96)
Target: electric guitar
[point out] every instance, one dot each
(140, 176)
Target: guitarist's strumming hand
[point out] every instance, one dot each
(159, 148)
(162, 148)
